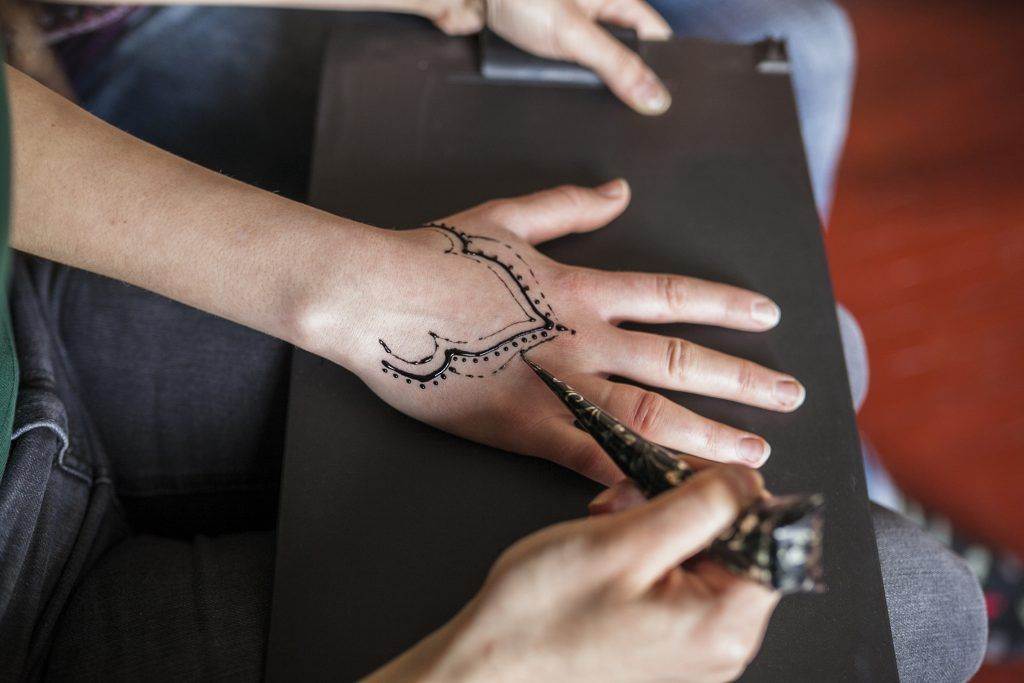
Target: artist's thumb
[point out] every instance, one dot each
(557, 211)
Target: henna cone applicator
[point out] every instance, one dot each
(776, 542)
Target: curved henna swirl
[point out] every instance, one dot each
(490, 352)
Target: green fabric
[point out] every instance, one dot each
(8, 359)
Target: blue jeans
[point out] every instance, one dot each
(138, 504)
(822, 52)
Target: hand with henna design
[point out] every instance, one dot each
(459, 298)
(408, 303)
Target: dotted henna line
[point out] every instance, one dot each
(520, 342)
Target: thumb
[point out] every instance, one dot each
(552, 213)
(621, 69)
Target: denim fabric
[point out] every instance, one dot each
(185, 410)
(190, 407)
(232, 89)
(936, 607)
(158, 609)
(58, 511)
(822, 52)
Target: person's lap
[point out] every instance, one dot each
(188, 407)
(822, 53)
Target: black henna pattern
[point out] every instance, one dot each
(459, 357)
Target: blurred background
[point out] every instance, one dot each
(926, 246)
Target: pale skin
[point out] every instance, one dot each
(93, 197)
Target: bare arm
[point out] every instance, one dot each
(430, 319)
(91, 196)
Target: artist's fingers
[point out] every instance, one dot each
(621, 495)
(555, 438)
(638, 15)
(672, 527)
(552, 213)
(582, 40)
(677, 364)
(657, 418)
(660, 298)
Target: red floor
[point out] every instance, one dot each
(927, 249)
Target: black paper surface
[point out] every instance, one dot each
(388, 526)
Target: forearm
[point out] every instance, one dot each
(90, 196)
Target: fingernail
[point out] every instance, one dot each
(789, 392)
(753, 450)
(765, 312)
(652, 96)
(602, 499)
(613, 189)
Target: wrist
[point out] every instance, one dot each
(340, 280)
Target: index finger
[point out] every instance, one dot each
(621, 69)
(673, 527)
(665, 298)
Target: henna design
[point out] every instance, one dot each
(489, 353)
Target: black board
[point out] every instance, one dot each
(388, 526)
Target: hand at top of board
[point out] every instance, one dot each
(568, 30)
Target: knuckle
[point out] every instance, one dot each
(712, 437)
(629, 68)
(679, 359)
(571, 37)
(747, 380)
(572, 195)
(670, 290)
(575, 283)
(647, 411)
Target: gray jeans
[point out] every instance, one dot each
(138, 505)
